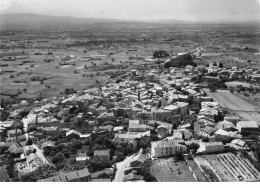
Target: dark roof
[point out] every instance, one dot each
(132, 176)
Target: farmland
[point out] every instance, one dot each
(168, 170)
(229, 167)
(241, 107)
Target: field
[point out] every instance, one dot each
(63, 52)
(229, 167)
(166, 170)
(227, 100)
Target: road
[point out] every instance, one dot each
(244, 109)
(121, 167)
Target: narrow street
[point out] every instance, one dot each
(121, 167)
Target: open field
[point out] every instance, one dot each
(166, 170)
(244, 109)
(229, 167)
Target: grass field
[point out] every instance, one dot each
(166, 170)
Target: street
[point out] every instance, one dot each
(121, 167)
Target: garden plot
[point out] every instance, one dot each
(231, 167)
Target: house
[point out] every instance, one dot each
(50, 131)
(20, 138)
(139, 128)
(166, 148)
(47, 145)
(210, 147)
(239, 142)
(186, 126)
(173, 108)
(132, 177)
(177, 135)
(247, 126)
(232, 119)
(124, 138)
(207, 131)
(72, 134)
(104, 130)
(12, 133)
(118, 129)
(74, 176)
(222, 133)
(226, 125)
(183, 107)
(15, 149)
(186, 133)
(101, 109)
(164, 129)
(138, 161)
(102, 154)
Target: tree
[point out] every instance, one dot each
(145, 142)
(59, 157)
(179, 156)
(90, 153)
(220, 65)
(160, 54)
(205, 139)
(194, 146)
(4, 115)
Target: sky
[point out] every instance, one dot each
(150, 10)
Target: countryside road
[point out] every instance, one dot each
(121, 167)
(226, 99)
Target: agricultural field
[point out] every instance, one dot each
(168, 170)
(227, 100)
(229, 167)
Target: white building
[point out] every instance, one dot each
(210, 147)
(166, 148)
(244, 126)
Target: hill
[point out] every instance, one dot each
(181, 61)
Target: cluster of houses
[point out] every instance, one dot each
(150, 107)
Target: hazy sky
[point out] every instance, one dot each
(191, 10)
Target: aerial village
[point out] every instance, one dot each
(151, 124)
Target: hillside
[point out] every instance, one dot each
(181, 61)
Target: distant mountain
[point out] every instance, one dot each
(181, 61)
(27, 19)
(36, 20)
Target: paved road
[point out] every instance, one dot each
(121, 167)
(241, 107)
